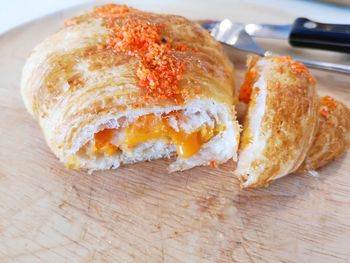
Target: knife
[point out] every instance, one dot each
(305, 33)
(235, 35)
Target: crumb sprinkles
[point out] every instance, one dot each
(213, 164)
(297, 68)
(158, 71)
(110, 10)
(327, 104)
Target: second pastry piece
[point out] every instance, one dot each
(285, 123)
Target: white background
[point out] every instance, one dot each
(16, 12)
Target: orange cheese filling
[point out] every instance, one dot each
(150, 127)
(103, 144)
(246, 90)
(246, 138)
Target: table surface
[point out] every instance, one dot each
(140, 213)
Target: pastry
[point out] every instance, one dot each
(332, 136)
(117, 85)
(287, 127)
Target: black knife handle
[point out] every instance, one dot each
(310, 34)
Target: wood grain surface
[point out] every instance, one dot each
(140, 213)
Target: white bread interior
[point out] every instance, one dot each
(254, 150)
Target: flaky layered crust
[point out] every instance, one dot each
(288, 123)
(72, 83)
(332, 136)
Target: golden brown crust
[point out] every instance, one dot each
(291, 104)
(300, 132)
(207, 66)
(332, 136)
(289, 119)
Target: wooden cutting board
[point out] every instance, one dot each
(140, 213)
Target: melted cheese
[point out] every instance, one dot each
(150, 127)
(103, 144)
(246, 90)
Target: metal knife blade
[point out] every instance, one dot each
(268, 31)
(255, 30)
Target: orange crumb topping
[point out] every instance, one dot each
(327, 104)
(297, 68)
(283, 59)
(158, 72)
(110, 10)
(246, 90)
(324, 112)
(213, 164)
